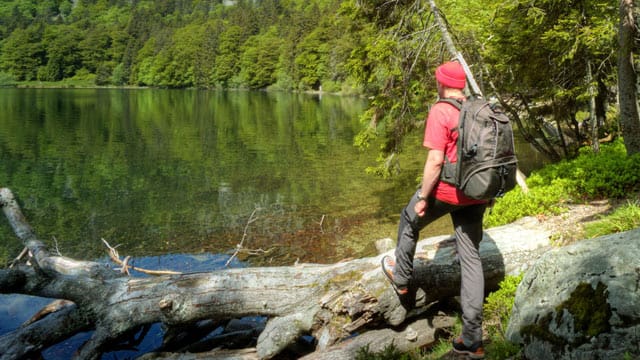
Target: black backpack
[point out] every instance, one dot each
(487, 164)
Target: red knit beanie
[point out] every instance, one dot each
(451, 74)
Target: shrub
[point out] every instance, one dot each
(610, 173)
(497, 311)
(7, 79)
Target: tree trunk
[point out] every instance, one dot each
(629, 119)
(595, 141)
(330, 302)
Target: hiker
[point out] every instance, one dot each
(435, 199)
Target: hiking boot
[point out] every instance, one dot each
(475, 351)
(387, 268)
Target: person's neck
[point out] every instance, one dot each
(452, 93)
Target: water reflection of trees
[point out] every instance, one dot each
(164, 170)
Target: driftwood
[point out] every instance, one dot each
(329, 302)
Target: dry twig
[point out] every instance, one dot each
(23, 253)
(239, 247)
(115, 257)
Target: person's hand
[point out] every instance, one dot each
(420, 208)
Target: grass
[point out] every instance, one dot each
(67, 83)
(624, 218)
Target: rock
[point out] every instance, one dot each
(581, 301)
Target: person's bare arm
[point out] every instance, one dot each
(432, 168)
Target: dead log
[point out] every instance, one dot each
(330, 302)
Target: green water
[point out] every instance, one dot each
(175, 171)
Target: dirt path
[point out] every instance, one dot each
(568, 227)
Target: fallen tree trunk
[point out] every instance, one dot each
(329, 302)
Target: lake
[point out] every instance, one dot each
(181, 171)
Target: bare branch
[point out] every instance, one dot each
(239, 247)
(115, 257)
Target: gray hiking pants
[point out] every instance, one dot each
(467, 223)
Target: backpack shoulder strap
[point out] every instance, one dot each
(453, 102)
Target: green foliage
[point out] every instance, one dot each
(624, 218)
(260, 58)
(506, 45)
(63, 55)
(543, 51)
(227, 64)
(6, 79)
(610, 173)
(188, 43)
(544, 199)
(497, 311)
(23, 53)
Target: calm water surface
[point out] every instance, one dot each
(175, 171)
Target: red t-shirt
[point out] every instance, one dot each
(438, 136)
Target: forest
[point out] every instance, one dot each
(552, 64)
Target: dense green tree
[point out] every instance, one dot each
(94, 47)
(312, 59)
(14, 17)
(63, 54)
(144, 73)
(564, 40)
(268, 13)
(507, 44)
(227, 60)
(23, 52)
(260, 58)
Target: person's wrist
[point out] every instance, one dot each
(422, 198)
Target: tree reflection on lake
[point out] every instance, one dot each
(179, 171)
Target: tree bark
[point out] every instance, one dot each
(595, 139)
(330, 302)
(629, 118)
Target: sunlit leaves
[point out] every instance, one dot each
(22, 53)
(260, 58)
